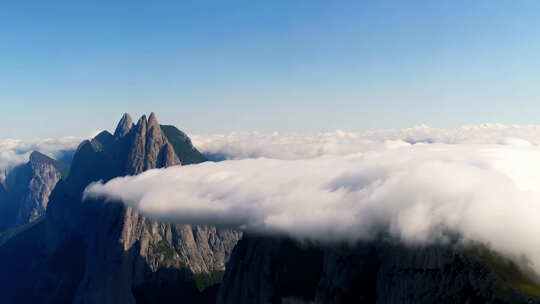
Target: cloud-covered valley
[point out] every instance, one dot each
(483, 185)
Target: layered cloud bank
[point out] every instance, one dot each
(17, 151)
(416, 192)
(300, 146)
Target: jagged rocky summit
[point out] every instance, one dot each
(98, 252)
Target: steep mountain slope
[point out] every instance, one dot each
(28, 187)
(100, 252)
(183, 146)
(281, 270)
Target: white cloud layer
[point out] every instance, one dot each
(485, 192)
(299, 146)
(17, 151)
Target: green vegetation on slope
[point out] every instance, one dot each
(506, 270)
(205, 280)
(165, 249)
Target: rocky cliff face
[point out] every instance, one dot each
(46, 172)
(280, 270)
(28, 188)
(100, 252)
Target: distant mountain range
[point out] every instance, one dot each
(57, 248)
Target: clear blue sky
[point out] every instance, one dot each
(72, 67)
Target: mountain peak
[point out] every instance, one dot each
(149, 147)
(152, 120)
(142, 124)
(124, 126)
(38, 157)
(103, 137)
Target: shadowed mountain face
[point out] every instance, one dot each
(27, 189)
(281, 270)
(98, 252)
(183, 146)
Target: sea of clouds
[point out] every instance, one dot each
(239, 145)
(481, 182)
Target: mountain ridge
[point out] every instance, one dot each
(113, 250)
